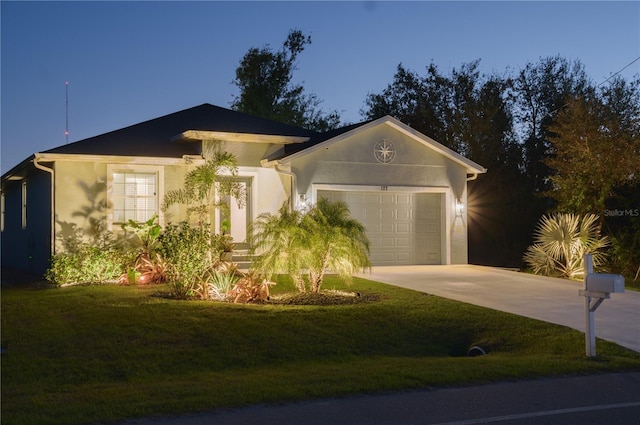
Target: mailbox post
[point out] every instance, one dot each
(598, 286)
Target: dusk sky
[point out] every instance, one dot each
(128, 62)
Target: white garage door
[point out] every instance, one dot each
(403, 228)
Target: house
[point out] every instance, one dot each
(407, 189)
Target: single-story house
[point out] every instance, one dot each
(408, 190)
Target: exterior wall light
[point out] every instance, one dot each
(303, 204)
(459, 207)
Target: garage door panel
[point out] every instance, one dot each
(403, 228)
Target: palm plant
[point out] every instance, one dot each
(283, 243)
(338, 242)
(560, 243)
(205, 186)
(326, 237)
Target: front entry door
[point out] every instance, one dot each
(236, 222)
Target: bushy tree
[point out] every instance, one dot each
(264, 78)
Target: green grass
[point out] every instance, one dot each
(107, 353)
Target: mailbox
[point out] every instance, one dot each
(601, 282)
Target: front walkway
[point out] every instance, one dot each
(549, 299)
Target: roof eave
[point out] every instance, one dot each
(199, 135)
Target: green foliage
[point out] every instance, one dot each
(88, 264)
(281, 238)
(187, 251)
(264, 78)
(147, 233)
(561, 241)
(325, 237)
(206, 185)
(100, 259)
(337, 242)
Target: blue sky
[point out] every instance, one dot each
(128, 62)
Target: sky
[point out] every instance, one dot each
(127, 62)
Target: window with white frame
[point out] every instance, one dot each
(133, 194)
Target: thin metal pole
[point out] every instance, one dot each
(66, 126)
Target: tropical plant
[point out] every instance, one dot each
(187, 251)
(206, 186)
(338, 242)
(146, 232)
(283, 243)
(325, 237)
(148, 265)
(560, 242)
(250, 287)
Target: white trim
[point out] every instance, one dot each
(111, 159)
(157, 169)
(445, 217)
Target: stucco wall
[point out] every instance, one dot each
(82, 198)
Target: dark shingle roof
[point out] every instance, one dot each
(156, 137)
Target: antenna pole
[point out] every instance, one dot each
(66, 128)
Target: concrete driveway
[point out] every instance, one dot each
(549, 299)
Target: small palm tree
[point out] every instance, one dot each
(283, 242)
(560, 243)
(326, 237)
(205, 186)
(338, 242)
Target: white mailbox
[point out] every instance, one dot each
(601, 282)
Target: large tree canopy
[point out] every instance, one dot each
(595, 148)
(264, 78)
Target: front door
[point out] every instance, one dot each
(236, 221)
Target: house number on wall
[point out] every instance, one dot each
(383, 188)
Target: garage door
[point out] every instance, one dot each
(403, 228)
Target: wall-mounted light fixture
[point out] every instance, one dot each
(303, 204)
(459, 206)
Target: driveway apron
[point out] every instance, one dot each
(550, 299)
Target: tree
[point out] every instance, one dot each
(283, 242)
(325, 237)
(264, 78)
(338, 242)
(540, 91)
(206, 185)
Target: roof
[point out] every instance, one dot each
(168, 136)
(159, 137)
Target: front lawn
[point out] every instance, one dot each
(106, 353)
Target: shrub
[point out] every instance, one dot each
(88, 265)
(101, 259)
(560, 243)
(187, 251)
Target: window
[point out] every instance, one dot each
(134, 196)
(2, 207)
(24, 205)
